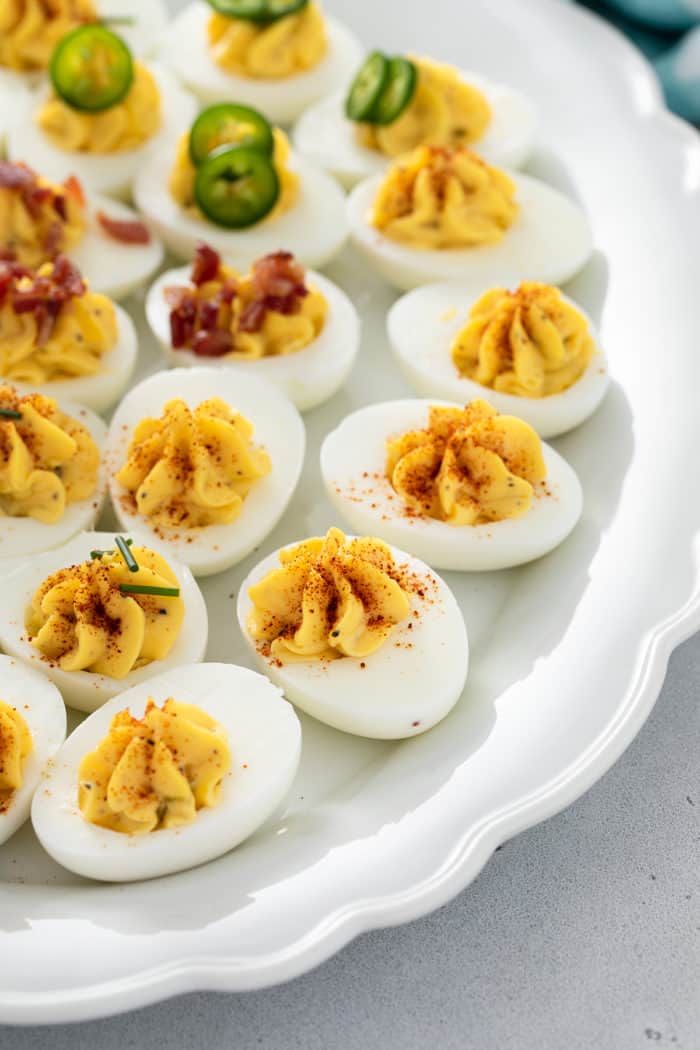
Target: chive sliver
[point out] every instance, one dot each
(123, 548)
(9, 413)
(145, 588)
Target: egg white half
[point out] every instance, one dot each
(149, 19)
(84, 690)
(394, 692)
(549, 241)
(278, 428)
(325, 135)
(422, 326)
(309, 376)
(264, 736)
(353, 468)
(186, 51)
(314, 228)
(40, 705)
(109, 173)
(20, 537)
(100, 391)
(15, 102)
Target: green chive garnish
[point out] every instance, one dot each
(97, 555)
(145, 588)
(10, 413)
(123, 548)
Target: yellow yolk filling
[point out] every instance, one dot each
(331, 597)
(81, 620)
(279, 49)
(468, 466)
(530, 342)
(125, 126)
(30, 29)
(27, 229)
(437, 198)
(15, 745)
(192, 468)
(47, 459)
(182, 178)
(444, 111)
(156, 771)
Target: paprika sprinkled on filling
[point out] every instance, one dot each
(38, 219)
(270, 50)
(444, 111)
(440, 198)
(468, 466)
(331, 597)
(30, 29)
(192, 467)
(47, 459)
(15, 746)
(156, 771)
(80, 619)
(530, 342)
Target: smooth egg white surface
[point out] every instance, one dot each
(84, 690)
(100, 391)
(394, 692)
(309, 376)
(353, 460)
(15, 102)
(264, 737)
(325, 135)
(20, 537)
(549, 241)
(40, 705)
(185, 50)
(147, 22)
(278, 427)
(422, 326)
(108, 173)
(314, 228)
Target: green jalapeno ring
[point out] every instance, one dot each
(397, 93)
(261, 11)
(213, 121)
(367, 87)
(236, 187)
(70, 72)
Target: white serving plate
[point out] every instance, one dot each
(568, 654)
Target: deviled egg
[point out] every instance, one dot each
(52, 476)
(531, 352)
(352, 630)
(204, 461)
(105, 239)
(170, 774)
(396, 104)
(445, 214)
(279, 56)
(297, 330)
(233, 183)
(101, 115)
(462, 488)
(101, 614)
(32, 729)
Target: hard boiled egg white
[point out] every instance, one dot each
(424, 323)
(278, 428)
(308, 376)
(20, 537)
(353, 468)
(264, 736)
(40, 705)
(15, 102)
(100, 391)
(325, 135)
(110, 173)
(186, 50)
(144, 22)
(314, 229)
(549, 241)
(394, 692)
(85, 690)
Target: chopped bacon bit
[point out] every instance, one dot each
(206, 264)
(74, 188)
(34, 196)
(212, 344)
(16, 176)
(128, 231)
(208, 316)
(52, 240)
(278, 275)
(253, 316)
(42, 296)
(183, 316)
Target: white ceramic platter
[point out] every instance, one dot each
(568, 654)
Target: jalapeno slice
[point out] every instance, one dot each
(228, 124)
(367, 87)
(236, 186)
(91, 69)
(397, 93)
(258, 10)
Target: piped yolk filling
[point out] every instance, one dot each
(271, 51)
(15, 745)
(31, 29)
(154, 772)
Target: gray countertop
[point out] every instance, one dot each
(580, 933)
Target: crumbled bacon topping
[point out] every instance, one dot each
(206, 264)
(42, 295)
(34, 196)
(127, 231)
